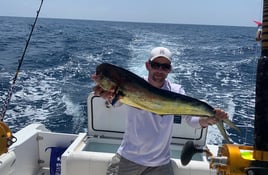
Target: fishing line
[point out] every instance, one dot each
(10, 91)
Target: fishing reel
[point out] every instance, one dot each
(6, 138)
(231, 159)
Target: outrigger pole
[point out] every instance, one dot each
(260, 153)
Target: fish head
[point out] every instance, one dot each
(104, 78)
(105, 83)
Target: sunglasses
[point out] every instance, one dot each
(156, 65)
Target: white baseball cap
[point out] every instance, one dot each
(160, 52)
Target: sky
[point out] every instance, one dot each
(208, 12)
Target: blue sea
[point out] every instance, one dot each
(213, 63)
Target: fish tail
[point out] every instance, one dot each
(222, 131)
(231, 124)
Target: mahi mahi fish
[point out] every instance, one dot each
(134, 91)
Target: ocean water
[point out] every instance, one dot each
(213, 63)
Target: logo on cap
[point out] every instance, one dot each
(162, 51)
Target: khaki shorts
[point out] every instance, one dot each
(122, 166)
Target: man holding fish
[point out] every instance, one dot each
(145, 148)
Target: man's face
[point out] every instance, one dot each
(158, 69)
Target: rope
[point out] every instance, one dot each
(10, 91)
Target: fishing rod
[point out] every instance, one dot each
(10, 91)
(7, 139)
